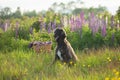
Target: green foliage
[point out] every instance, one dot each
(8, 42)
(17, 62)
(117, 37)
(98, 10)
(23, 33)
(5, 13)
(1, 31)
(40, 36)
(5, 41)
(17, 13)
(30, 13)
(85, 39)
(36, 25)
(79, 40)
(43, 37)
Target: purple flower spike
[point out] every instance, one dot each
(44, 24)
(49, 30)
(78, 23)
(53, 25)
(5, 26)
(17, 29)
(82, 17)
(104, 29)
(72, 24)
(112, 22)
(113, 36)
(49, 27)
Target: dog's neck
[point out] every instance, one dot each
(61, 42)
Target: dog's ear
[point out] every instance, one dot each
(59, 34)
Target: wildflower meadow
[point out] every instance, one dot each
(95, 37)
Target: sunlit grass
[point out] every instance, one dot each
(27, 65)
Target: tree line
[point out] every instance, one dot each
(72, 7)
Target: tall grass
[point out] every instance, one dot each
(27, 65)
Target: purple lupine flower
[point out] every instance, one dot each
(49, 30)
(49, 27)
(82, 17)
(113, 36)
(5, 26)
(17, 29)
(112, 22)
(94, 23)
(89, 22)
(53, 25)
(78, 23)
(8, 22)
(92, 20)
(59, 25)
(104, 31)
(72, 24)
(2, 26)
(103, 28)
(17, 24)
(96, 26)
(62, 21)
(44, 25)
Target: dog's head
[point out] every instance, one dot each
(59, 34)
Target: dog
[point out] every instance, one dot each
(41, 47)
(64, 51)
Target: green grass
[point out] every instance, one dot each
(27, 65)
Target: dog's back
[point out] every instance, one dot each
(71, 51)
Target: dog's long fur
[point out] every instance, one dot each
(41, 47)
(64, 52)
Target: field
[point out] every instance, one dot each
(93, 34)
(102, 64)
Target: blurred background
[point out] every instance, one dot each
(90, 24)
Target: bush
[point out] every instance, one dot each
(23, 33)
(88, 40)
(78, 39)
(5, 41)
(9, 43)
